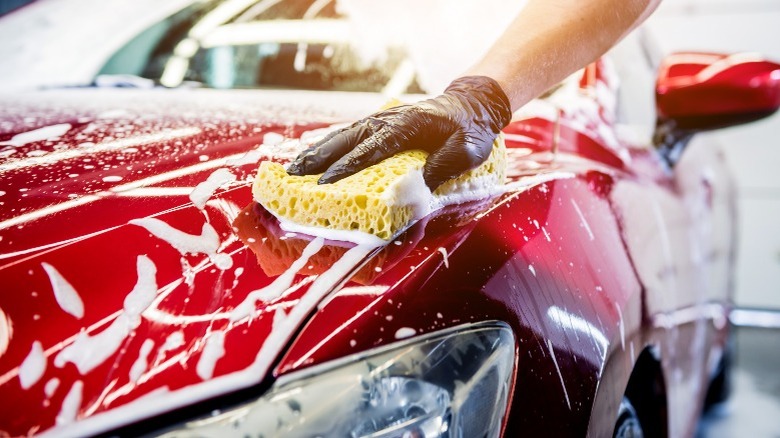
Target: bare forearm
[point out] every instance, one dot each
(551, 39)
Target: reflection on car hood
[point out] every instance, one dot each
(139, 275)
(118, 291)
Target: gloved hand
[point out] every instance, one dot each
(457, 129)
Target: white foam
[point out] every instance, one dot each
(354, 236)
(251, 157)
(410, 190)
(278, 286)
(66, 296)
(141, 363)
(272, 138)
(236, 275)
(71, 404)
(282, 332)
(285, 326)
(145, 289)
(118, 113)
(52, 132)
(205, 243)
(173, 341)
(205, 190)
(33, 366)
(279, 317)
(405, 332)
(443, 252)
(51, 386)
(212, 352)
(88, 352)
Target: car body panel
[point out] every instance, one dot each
(559, 254)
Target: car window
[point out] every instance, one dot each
(286, 44)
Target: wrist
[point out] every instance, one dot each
(488, 92)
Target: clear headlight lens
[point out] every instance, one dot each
(448, 384)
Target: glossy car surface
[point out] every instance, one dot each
(595, 253)
(143, 287)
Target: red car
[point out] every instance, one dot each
(145, 292)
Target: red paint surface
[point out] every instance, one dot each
(552, 259)
(703, 84)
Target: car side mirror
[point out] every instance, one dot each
(704, 91)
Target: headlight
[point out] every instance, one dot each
(447, 384)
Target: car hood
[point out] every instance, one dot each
(140, 277)
(122, 297)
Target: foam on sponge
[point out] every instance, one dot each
(380, 200)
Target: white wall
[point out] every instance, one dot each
(753, 151)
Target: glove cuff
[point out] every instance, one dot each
(488, 92)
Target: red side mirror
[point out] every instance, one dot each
(700, 91)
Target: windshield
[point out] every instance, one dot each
(286, 44)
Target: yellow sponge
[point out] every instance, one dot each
(380, 200)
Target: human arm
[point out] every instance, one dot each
(549, 40)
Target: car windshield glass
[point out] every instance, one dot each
(285, 44)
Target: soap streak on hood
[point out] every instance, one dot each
(67, 200)
(139, 154)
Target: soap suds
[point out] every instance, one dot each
(71, 404)
(236, 275)
(52, 132)
(279, 317)
(173, 341)
(272, 138)
(411, 190)
(88, 352)
(325, 283)
(444, 255)
(406, 191)
(33, 366)
(51, 386)
(145, 290)
(141, 363)
(251, 157)
(150, 404)
(278, 286)
(354, 236)
(212, 352)
(404, 332)
(205, 190)
(66, 296)
(205, 243)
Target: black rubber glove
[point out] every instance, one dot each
(457, 129)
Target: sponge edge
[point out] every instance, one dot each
(381, 200)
